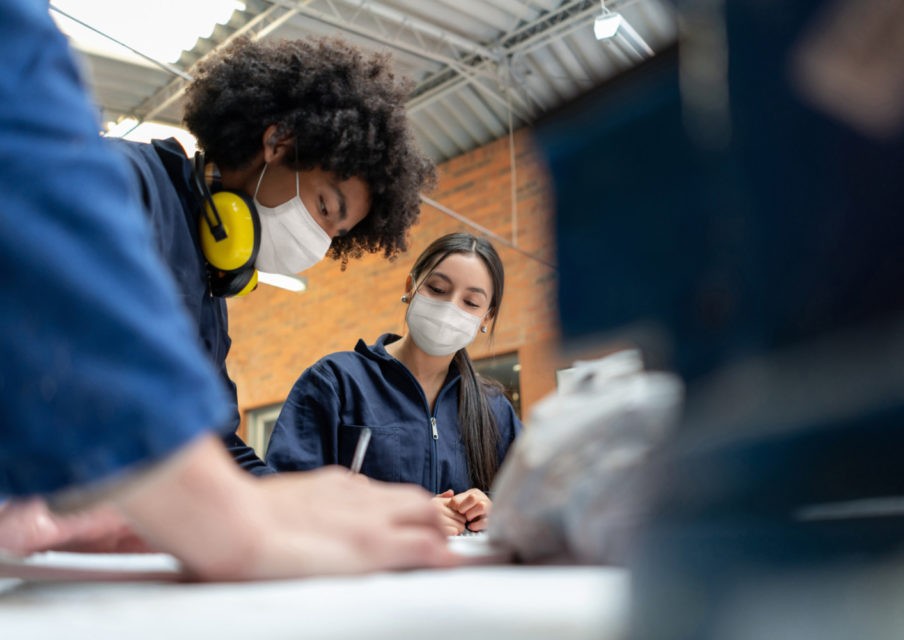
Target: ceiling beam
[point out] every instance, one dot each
(420, 26)
(482, 66)
(256, 28)
(543, 30)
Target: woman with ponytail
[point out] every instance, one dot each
(434, 421)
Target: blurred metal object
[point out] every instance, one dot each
(568, 490)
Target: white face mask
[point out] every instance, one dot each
(291, 239)
(440, 328)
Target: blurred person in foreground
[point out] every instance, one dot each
(110, 399)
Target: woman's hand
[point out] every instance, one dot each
(474, 506)
(453, 522)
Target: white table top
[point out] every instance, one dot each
(498, 601)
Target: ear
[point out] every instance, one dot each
(409, 283)
(275, 149)
(488, 318)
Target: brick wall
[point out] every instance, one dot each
(276, 334)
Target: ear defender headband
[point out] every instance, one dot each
(230, 233)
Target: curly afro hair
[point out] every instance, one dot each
(345, 110)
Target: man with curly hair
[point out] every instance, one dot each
(316, 133)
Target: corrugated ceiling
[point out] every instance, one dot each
(480, 67)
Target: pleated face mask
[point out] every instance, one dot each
(440, 328)
(291, 239)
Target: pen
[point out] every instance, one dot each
(360, 450)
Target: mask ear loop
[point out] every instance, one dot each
(295, 162)
(260, 179)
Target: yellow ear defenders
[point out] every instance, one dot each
(230, 233)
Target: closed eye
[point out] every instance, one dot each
(435, 290)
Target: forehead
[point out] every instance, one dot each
(466, 270)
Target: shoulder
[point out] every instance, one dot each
(493, 389)
(498, 400)
(335, 366)
(146, 169)
(334, 375)
(139, 154)
(159, 162)
(345, 358)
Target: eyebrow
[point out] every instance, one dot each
(449, 280)
(343, 210)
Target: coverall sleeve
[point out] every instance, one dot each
(99, 365)
(307, 430)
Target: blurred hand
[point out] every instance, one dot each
(29, 526)
(224, 524)
(474, 506)
(453, 523)
(337, 524)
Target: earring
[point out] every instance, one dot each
(405, 298)
(483, 329)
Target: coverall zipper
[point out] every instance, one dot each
(435, 455)
(433, 429)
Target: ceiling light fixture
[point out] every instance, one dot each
(611, 24)
(606, 24)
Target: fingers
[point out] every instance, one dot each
(453, 527)
(395, 546)
(472, 504)
(469, 499)
(346, 527)
(481, 510)
(477, 524)
(29, 526)
(406, 548)
(335, 498)
(413, 549)
(452, 522)
(405, 504)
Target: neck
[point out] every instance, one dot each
(429, 370)
(243, 179)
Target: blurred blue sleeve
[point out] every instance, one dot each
(99, 367)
